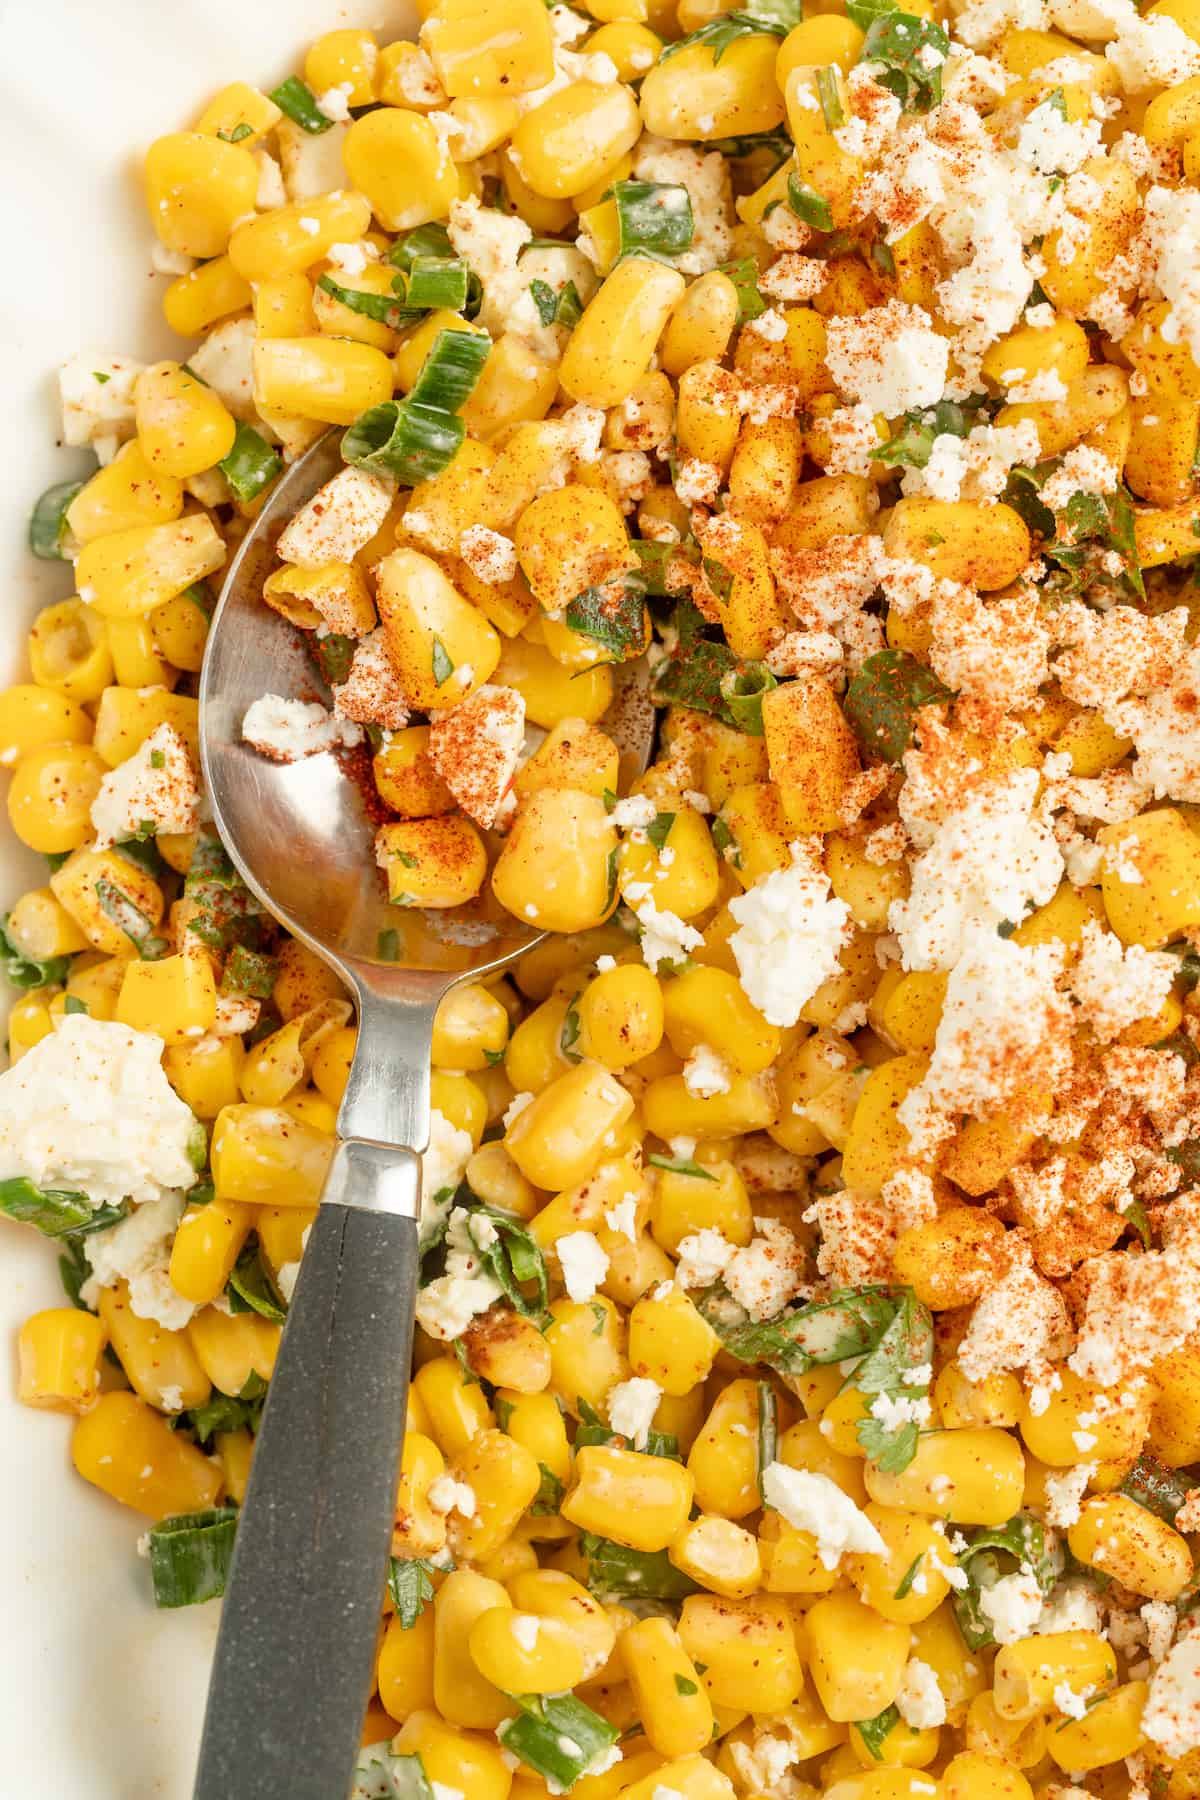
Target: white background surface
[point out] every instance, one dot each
(100, 1697)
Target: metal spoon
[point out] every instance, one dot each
(298, 1632)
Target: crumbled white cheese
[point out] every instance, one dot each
(705, 175)
(342, 516)
(919, 1700)
(488, 554)
(225, 362)
(1117, 984)
(1012, 1607)
(1172, 1716)
(138, 1251)
(89, 1108)
(286, 730)
(812, 1502)
(446, 1305)
(447, 1495)
(156, 786)
(634, 813)
(632, 1405)
(706, 1073)
(888, 358)
(790, 935)
(96, 391)
(665, 937)
(583, 1262)
(702, 1257)
(442, 1167)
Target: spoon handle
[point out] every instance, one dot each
(294, 1656)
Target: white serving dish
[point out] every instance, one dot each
(101, 1697)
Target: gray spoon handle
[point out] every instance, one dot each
(298, 1633)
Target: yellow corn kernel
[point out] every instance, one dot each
(1094, 398)
(960, 540)
(973, 1477)
(682, 874)
(719, 1555)
(575, 138)
(749, 1647)
(282, 241)
(32, 717)
(241, 109)
(1165, 898)
(262, 1155)
(570, 539)
(811, 751)
(459, 1759)
(457, 1407)
(283, 306)
(674, 1710)
(405, 1670)
(182, 425)
(504, 1478)
(281, 1235)
(462, 1692)
(40, 928)
(748, 1104)
(971, 1775)
(58, 1359)
(338, 58)
(136, 659)
(1109, 1731)
(233, 1347)
(428, 623)
(994, 1401)
(126, 493)
(639, 1501)
(128, 572)
(516, 385)
(432, 862)
(418, 1530)
(1164, 534)
(494, 48)
(1133, 1546)
(68, 651)
(553, 1663)
(559, 1138)
(554, 868)
(160, 1364)
(175, 996)
(621, 1016)
(951, 1259)
(126, 1449)
(723, 1460)
(611, 347)
(196, 189)
(913, 1544)
(51, 794)
(686, 1203)
(205, 1073)
(394, 158)
(1029, 351)
(330, 379)
(207, 1244)
(877, 1143)
(1116, 1432)
(1026, 1674)
(670, 1342)
(856, 1658)
(695, 96)
(125, 718)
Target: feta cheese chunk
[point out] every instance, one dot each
(156, 787)
(341, 517)
(814, 1503)
(89, 1108)
(138, 1251)
(632, 1405)
(96, 391)
(476, 746)
(888, 358)
(790, 935)
(285, 730)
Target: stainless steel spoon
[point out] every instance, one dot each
(298, 1632)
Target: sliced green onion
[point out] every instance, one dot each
(251, 1288)
(615, 1572)
(744, 276)
(407, 442)
(808, 205)
(557, 1736)
(117, 906)
(251, 465)
(768, 1431)
(56, 1212)
(743, 690)
(437, 281)
(190, 1556)
(48, 521)
(570, 306)
(546, 301)
(676, 1166)
(22, 971)
(385, 309)
(653, 215)
(829, 94)
(249, 972)
(450, 371)
(426, 240)
(295, 98)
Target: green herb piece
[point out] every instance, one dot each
(724, 842)
(22, 971)
(1159, 1489)
(851, 1322)
(614, 615)
(512, 1258)
(808, 205)
(911, 446)
(776, 145)
(908, 53)
(249, 972)
(48, 521)
(592, 1430)
(616, 1573)
(295, 98)
(744, 276)
(676, 1166)
(426, 240)
(1137, 1216)
(718, 577)
(190, 1556)
(659, 830)
(875, 1732)
(1097, 521)
(548, 1498)
(251, 465)
(613, 871)
(441, 664)
(685, 1687)
(570, 306)
(865, 12)
(1021, 1541)
(829, 94)
(73, 1004)
(229, 1412)
(117, 906)
(410, 1588)
(568, 1037)
(730, 28)
(909, 1576)
(653, 215)
(700, 673)
(653, 559)
(897, 1369)
(883, 698)
(55, 1212)
(73, 1270)
(768, 1432)
(545, 299)
(252, 1288)
(557, 1736)
(437, 283)
(227, 912)
(240, 130)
